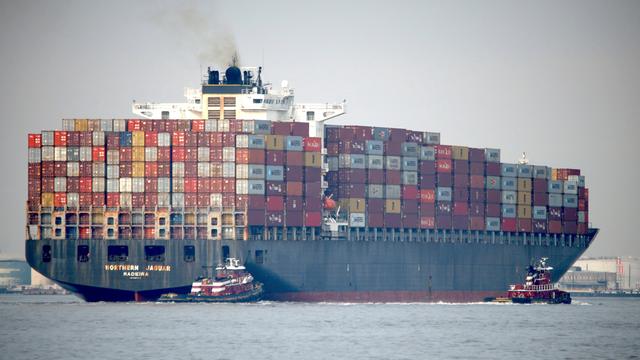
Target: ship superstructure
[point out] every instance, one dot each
(123, 209)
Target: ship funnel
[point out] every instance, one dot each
(233, 75)
(214, 77)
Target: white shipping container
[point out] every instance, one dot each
(97, 138)
(125, 184)
(242, 171)
(177, 199)
(60, 154)
(210, 125)
(393, 162)
(125, 200)
(47, 138)
(228, 169)
(34, 156)
(579, 179)
(570, 187)
(60, 184)
(119, 125)
(356, 220)
(137, 185)
(375, 162)
(86, 153)
(228, 153)
(73, 199)
(223, 125)
(203, 154)
(164, 139)
(443, 193)
(151, 154)
(113, 171)
(48, 154)
(68, 124)
(113, 185)
(73, 169)
(509, 197)
(431, 138)
(164, 185)
(242, 141)
(242, 187)
(493, 224)
(216, 200)
(375, 191)
(106, 124)
(204, 169)
(98, 184)
(555, 200)
(113, 157)
(177, 169)
(98, 170)
(164, 199)
(177, 185)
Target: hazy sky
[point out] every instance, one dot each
(557, 79)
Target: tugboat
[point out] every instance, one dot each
(232, 283)
(537, 288)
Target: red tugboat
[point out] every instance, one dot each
(538, 288)
(232, 283)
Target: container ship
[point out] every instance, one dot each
(130, 209)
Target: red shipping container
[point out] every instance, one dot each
(294, 188)
(133, 125)
(375, 220)
(191, 139)
(256, 156)
(295, 173)
(460, 208)
(275, 203)
(312, 218)
(393, 177)
(242, 156)
(204, 185)
(570, 227)
(197, 125)
(460, 222)
(427, 167)
(427, 222)
(410, 221)
(443, 166)
(256, 202)
(540, 199)
(476, 223)
(524, 225)
(410, 192)
(313, 189)
(215, 139)
(582, 228)
(280, 128)
(33, 170)
(191, 169)
(393, 149)
(85, 199)
(235, 126)
(99, 154)
(476, 181)
(164, 154)
(477, 195)
(86, 169)
(476, 209)
(443, 222)
(295, 158)
(150, 139)
(84, 232)
(48, 184)
(582, 205)
(492, 169)
(151, 185)
(229, 186)
(275, 187)
(177, 138)
(151, 169)
(203, 140)
(125, 154)
(554, 213)
(275, 157)
(476, 155)
(555, 226)
(312, 144)
(148, 125)
(493, 196)
(375, 205)
(98, 199)
(461, 181)
(299, 128)
(274, 218)
(126, 169)
(442, 151)
(460, 166)
(256, 217)
(539, 226)
(60, 168)
(150, 200)
(427, 209)
(191, 185)
(47, 168)
(164, 169)
(86, 138)
(540, 186)
(86, 184)
(216, 185)
(113, 199)
(190, 154)
(295, 218)
(375, 176)
(427, 196)
(113, 141)
(228, 200)
(392, 220)
(60, 138)
(444, 179)
(242, 201)
(191, 199)
(427, 181)
(34, 140)
(228, 139)
(73, 184)
(73, 138)
(410, 207)
(508, 224)
(204, 200)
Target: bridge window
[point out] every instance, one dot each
(110, 233)
(257, 101)
(259, 256)
(311, 115)
(165, 115)
(117, 253)
(154, 253)
(46, 253)
(111, 220)
(189, 253)
(83, 253)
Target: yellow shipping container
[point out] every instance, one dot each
(137, 138)
(274, 142)
(81, 125)
(524, 184)
(392, 206)
(554, 174)
(137, 169)
(354, 204)
(312, 159)
(137, 153)
(524, 198)
(46, 199)
(460, 153)
(524, 211)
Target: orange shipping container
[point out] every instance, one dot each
(60, 199)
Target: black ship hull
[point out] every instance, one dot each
(449, 269)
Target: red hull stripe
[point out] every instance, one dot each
(386, 296)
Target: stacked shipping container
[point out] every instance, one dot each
(173, 178)
(395, 178)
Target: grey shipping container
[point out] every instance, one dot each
(409, 163)
(256, 171)
(541, 172)
(293, 143)
(356, 220)
(443, 194)
(508, 211)
(540, 212)
(409, 178)
(555, 200)
(374, 147)
(493, 224)
(333, 163)
(375, 191)
(392, 163)
(492, 155)
(392, 191)
(508, 170)
(509, 197)
(34, 156)
(274, 173)
(570, 187)
(431, 138)
(375, 162)
(525, 171)
(570, 201)
(555, 187)
(73, 153)
(509, 183)
(410, 149)
(427, 153)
